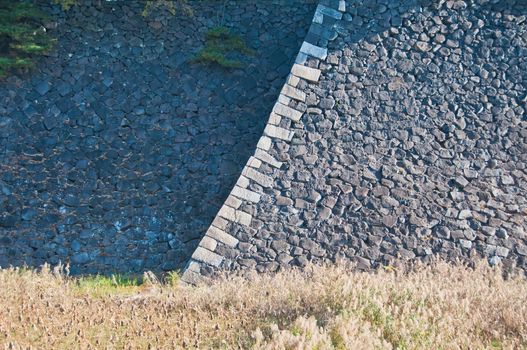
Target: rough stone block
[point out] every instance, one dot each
(220, 223)
(227, 213)
(243, 218)
(342, 5)
(294, 93)
(246, 194)
(267, 158)
(274, 119)
(242, 182)
(264, 143)
(194, 266)
(234, 215)
(283, 99)
(308, 73)
(233, 202)
(313, 50)
(318, 17)
(254, 163)
(301, 58)
(207, 257)
(208, 243)
(293, 80)
(222, 236)
(287, 112)
(279, 133)
(258, 177)
(328, 11)
(193, 278)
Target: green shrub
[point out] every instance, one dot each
(22, 35)
(219, 44)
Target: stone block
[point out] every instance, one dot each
(193, 278)
(318, 17)
(328, 11)
(207, 257)
(246, 194)
(208, 243)
(283, 99)
(267, 158)
(242, 181)
(314, 51)
(287, 112)
(342, 5)
(264, 143)
(220, 223)
(234, 215)
(307, 73)
(279, 133)
(222, 236)
(301, 58)
(294, 93)
(193, 266)
(274, 119)
(258, 177)
(243, 218)
(227, 212)
(233, 202)
(254, 163)
(293, 80)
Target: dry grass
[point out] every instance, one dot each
(438, 307)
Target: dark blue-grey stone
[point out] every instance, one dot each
(28, 214)
(80, 258)
(42, 87)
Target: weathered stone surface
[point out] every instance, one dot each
(306, 73)
(267, 158)
(206, 256)
(234, 215)
(121, 153)
(328, 11)
(208, 243)
(296, 94)
(222, 236)
(278, 132)
(245, 194)
(264, 143)
(259, 178)
(405, 151)
(233, 202)
(288, 112)
(254, 162)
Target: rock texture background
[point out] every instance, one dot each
(116, 154)
(399, 134)
(411, 144)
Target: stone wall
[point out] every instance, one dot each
(116, 152)
(401, 134)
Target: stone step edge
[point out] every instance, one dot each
(205, 254)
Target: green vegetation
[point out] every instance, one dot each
(107, 285)
(22, 36)
(221, 48)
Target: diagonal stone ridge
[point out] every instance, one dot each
(400, 135)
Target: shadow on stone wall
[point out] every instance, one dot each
(117, 152)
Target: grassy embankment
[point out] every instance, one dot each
(438, 307)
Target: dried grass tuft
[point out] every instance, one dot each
(331, 307)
